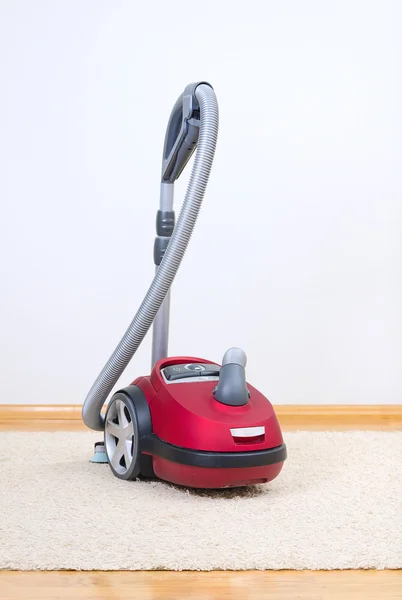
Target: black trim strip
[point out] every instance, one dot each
(151, 444)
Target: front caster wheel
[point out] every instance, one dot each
(122, 437)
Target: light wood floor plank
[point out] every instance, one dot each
(276, 585)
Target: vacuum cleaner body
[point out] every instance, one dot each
(192, 422)
(192, 439)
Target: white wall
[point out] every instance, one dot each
(297, 256)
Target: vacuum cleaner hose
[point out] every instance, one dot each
(142, 321)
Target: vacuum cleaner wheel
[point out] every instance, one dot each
(122, 437)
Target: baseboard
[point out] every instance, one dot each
(348, 416)
(42, 412)
(288, 415)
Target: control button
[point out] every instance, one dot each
(194, 367)
(190, 370)
(178, 372)
(185, 375)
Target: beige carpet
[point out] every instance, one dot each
(336, 505)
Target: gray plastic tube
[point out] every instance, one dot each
(128, 345)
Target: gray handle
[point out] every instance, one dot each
(232, 388)
(182, 133)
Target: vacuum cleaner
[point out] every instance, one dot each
(191, 422)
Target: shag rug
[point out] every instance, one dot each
(336, 505)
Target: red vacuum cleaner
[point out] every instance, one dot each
(192, 422)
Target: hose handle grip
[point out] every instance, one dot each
(182, 133)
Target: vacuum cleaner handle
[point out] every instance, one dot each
(198, 105)
(181, 140)
(232, 388)
(182, 133)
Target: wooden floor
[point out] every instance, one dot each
(275, 585)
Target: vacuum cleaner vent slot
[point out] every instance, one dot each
(251, 440)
